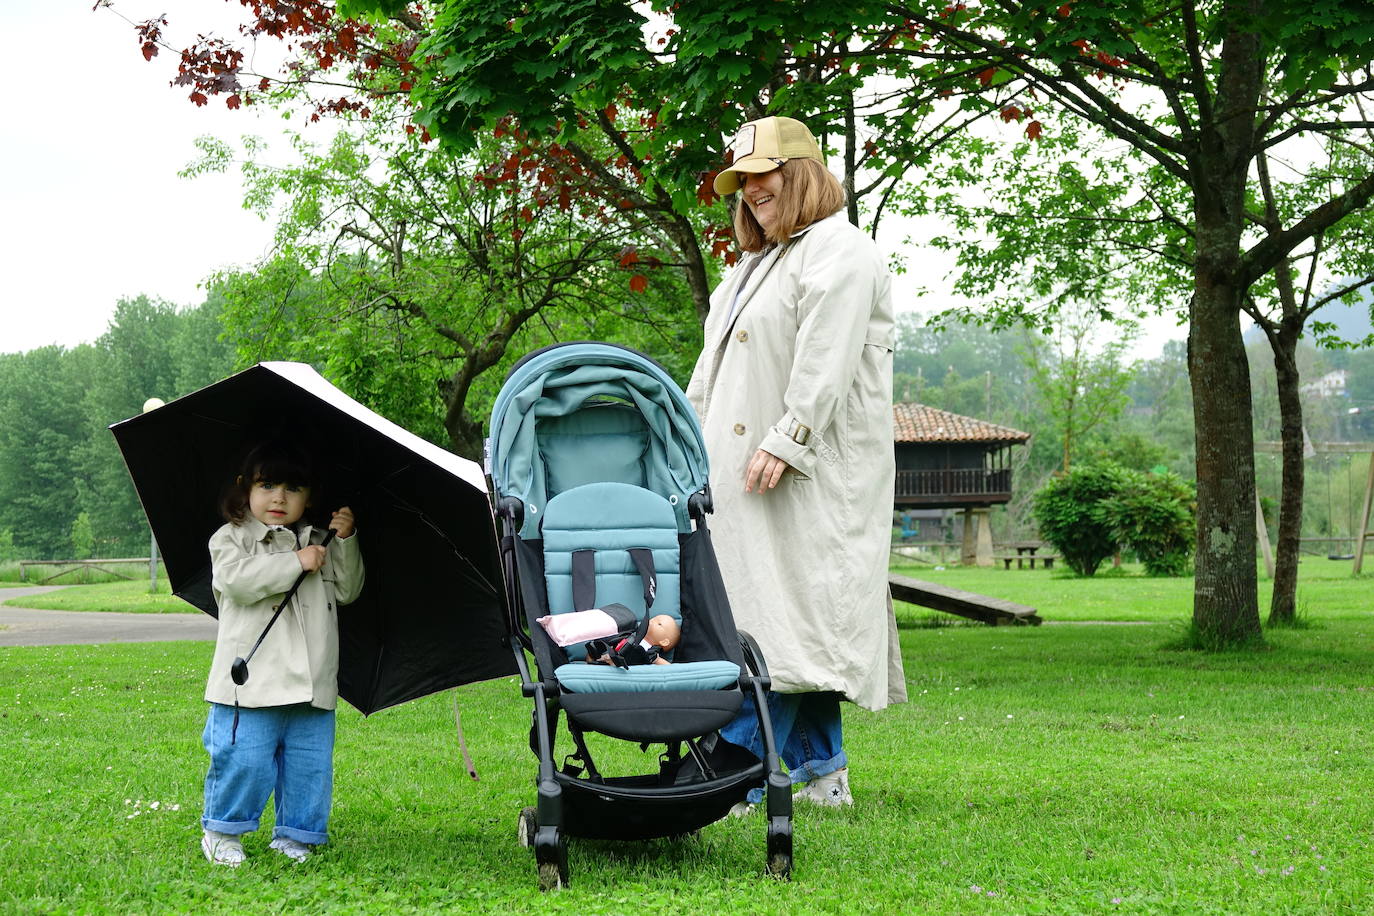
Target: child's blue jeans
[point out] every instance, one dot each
(283, 750)
(806, 730)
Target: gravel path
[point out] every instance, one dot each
(20, 626)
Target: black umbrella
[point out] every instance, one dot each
(431, 614)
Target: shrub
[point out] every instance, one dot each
(1154, 515)
(1068, 510)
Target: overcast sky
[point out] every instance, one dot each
(92, 210)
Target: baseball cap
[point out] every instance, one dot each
(763, 145)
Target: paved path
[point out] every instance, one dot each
(21, 626)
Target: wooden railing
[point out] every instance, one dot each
(977, 485)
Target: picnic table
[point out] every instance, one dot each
(1026, 551)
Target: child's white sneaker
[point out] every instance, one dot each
(222, 848)
(829, 791)
(292, 849)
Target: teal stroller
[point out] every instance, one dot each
(599, 480)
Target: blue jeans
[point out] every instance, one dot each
(286, 750)
(806, 730)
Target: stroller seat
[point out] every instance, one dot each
(616, 542)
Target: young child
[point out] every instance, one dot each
(275, 733)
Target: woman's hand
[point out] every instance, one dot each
(765, 469)
(342, 522)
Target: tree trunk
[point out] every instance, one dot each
(1283, 605)
(1225, 590)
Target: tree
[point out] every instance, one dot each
(41, 422)
(1081, 383)
(407, 272)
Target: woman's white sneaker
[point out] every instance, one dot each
(829, 791)
(222, 848)
(292, 849)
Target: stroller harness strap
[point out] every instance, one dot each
(584, 576)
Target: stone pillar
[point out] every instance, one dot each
(983, 555)
(969, 555)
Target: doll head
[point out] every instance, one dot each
(663, 632)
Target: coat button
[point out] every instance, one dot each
(742, 336)
(739, 429)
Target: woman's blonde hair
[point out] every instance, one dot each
(809, 193)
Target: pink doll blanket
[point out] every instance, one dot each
(580, 626)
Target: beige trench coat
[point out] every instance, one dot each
(805, 565)
(252, 568)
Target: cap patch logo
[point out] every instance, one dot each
(744, 142)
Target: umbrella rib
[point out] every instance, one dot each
(475, 574)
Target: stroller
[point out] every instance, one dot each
(599, 479)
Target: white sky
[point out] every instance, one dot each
(91, 140)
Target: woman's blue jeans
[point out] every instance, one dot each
(806, 730)
(283, 750)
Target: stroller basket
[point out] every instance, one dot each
(600, 480)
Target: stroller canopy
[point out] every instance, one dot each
(563, 380)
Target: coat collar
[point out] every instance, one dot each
(258, 532)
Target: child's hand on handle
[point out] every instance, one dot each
(342, 522)
(311, 558)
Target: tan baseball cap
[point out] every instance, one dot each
(763, 145)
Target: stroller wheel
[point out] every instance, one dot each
(780, 866)
(526, 827)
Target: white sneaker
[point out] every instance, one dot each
(829, 791)
(292, 849)
(222, 848)
(742, 809)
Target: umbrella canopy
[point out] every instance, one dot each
(562, 379)
(432, 613)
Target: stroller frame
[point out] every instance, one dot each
(700, 776)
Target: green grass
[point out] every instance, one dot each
(1325, 589)
(131, 597)
(1035, 770)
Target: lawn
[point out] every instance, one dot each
(1325, 589)
(131, 597)
(1055, 769)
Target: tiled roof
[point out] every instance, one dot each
(919, 423)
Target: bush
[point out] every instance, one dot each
(1154, 515)
(1069, 512)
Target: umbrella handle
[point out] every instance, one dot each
(239, 669)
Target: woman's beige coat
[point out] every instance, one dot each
(805, 565)
(253, 567)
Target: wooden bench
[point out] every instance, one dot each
(994, 611)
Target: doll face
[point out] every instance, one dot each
(277, 503)
(663, 632)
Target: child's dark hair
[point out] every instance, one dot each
(272, 461)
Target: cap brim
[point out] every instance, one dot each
(727, 182)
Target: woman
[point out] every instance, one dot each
(794, 391)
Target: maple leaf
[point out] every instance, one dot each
(1034, 130)
(232, 102)
(628, 256)
(639, 283)
(985, 76)
(199, 99)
